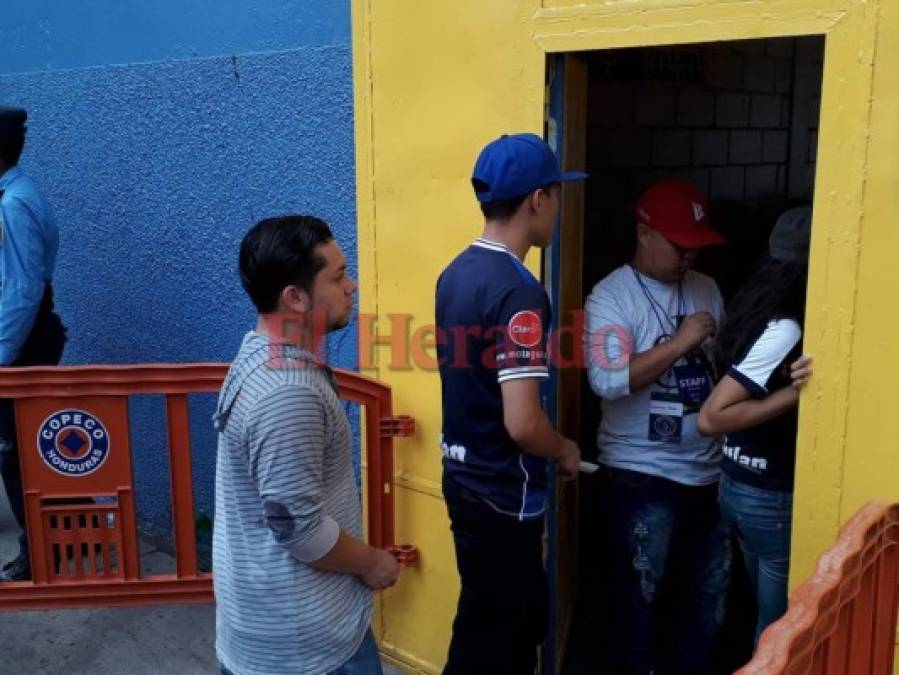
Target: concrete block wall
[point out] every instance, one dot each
(808, 69)
(739, 119)
(728, 129)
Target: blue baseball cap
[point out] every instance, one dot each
(515, 165)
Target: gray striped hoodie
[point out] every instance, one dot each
(284, 485)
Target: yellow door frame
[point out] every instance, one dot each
(433, 81)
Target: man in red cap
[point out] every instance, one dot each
(649, 325)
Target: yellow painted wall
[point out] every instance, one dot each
(872, 447)
(436, 79)
(432, 86)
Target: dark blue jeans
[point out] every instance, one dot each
(366, 660)
(503, 605)
(669, 569)
(762, 522)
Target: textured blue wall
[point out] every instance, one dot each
(61, 34)
(156, 170)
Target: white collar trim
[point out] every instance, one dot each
(481, 242)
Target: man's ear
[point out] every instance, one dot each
(535, 199)
(295, 299)
(642, 232)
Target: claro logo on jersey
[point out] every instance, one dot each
(526, 328)
(73, 442)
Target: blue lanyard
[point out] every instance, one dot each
(656, 306)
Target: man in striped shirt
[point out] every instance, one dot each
(293, 578)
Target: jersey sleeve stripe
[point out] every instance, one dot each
(521, 376)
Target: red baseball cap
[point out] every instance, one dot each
(679, 211)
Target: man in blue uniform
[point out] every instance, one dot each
(492, 320)
(31, 333)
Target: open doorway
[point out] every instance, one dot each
(738, 119)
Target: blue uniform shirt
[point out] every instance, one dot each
(764, 456)
(28, 244)
(492, 320)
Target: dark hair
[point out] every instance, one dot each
(11, 143)
(279, 252)
(775, 291)
(503, 209)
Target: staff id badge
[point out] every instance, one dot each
(666, 416)
(692, 383)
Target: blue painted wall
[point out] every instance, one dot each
(60, 34)
(157, 164)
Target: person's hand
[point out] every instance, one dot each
(694, 329)
(801, 371)
(569, 462)
(382, 572)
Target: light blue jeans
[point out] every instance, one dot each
(366, 660)
(762, 522)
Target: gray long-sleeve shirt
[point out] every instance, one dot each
(622, 321)
(284, 487)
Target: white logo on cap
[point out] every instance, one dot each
(697, 211)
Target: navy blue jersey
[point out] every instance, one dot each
(764, 455)
(492, 321)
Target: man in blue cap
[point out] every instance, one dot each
(31, 333)
(492, 319)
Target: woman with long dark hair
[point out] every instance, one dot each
(755, 407)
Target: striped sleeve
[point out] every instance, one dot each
(523, 317)
(286, 442)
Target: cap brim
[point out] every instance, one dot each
(569, 176)
(695, 238)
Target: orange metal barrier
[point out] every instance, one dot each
(842, 621)
(75, 455)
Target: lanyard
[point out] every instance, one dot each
(656, 306)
